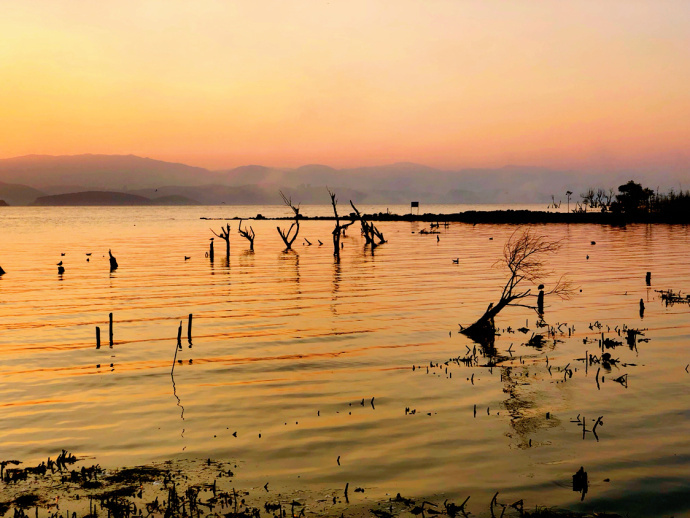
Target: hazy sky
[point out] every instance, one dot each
(458, 83)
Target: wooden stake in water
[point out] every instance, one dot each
(98, 337)
(111, 330)
(189, 329)
(179, 335)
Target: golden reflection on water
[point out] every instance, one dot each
(290, 344)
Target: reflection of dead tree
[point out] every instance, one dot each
(247, 234)
(369, 231)
(224, 235)
(523, 255)
(339, 229)
(286, 234)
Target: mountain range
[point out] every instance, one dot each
(25, 179)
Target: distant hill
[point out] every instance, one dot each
(109, 198)
(15, 194)
(3, 203)
(102, 172)
(92, 198)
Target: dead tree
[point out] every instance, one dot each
(339, 229)
(225, 236)
(369, 231)
(523, 255)
(286, 234)
(247, 234)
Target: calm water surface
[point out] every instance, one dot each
(287, 347)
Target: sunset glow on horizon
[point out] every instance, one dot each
(581, 85)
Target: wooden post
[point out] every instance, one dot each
(649, 278)
(210, 251)
(179, 336)
(111, 330)
(189, 329)
(98, 337)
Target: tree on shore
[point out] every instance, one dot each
(285, 235)
(524, 256)
(633, 198)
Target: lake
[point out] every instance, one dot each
(310, 361)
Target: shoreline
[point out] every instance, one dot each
(196, 488)
(510, 217)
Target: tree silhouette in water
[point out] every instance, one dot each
(524, 255)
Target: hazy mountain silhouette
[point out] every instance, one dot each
(15, 194)
(92, 198)
(255, 184)
(106, 172)
(109, 198)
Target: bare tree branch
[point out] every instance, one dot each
(286, 235)
(247, 234)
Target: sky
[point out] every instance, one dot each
(578, 85)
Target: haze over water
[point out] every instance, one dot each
(290, 348)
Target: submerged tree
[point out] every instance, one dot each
(248, 234)
(369, 231)
(225, 236)
(285, 235)
(524, 256)
(339, 229)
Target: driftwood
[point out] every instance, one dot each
(369, 231)
(286, 235)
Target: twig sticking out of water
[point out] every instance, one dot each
(178, 346)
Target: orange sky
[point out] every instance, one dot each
(457, 83)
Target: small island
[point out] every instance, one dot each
(108, 198)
